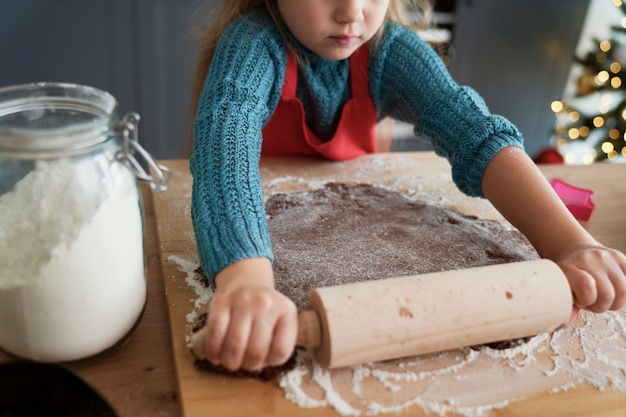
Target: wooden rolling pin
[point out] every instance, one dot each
(398, 317)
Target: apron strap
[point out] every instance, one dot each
(359, 74)
(291, 76)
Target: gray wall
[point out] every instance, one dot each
(517, 54)
(140, 51)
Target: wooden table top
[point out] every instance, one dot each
(141, 378)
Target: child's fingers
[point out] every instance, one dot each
(618, 280)
(258, 344)
(235, 342)
(598, 293)
(604, 286)
(216, 329)
(605, 294)
(284, 339)
(574, 315)
(583, 287)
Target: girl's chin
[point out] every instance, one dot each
(337, 52)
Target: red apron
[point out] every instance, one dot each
(287, 134)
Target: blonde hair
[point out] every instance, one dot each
(414, 14)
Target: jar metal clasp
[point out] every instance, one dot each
(161, 175)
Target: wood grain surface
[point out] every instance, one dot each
(202, 393)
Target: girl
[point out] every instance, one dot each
(312, 77)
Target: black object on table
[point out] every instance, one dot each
(32, 389)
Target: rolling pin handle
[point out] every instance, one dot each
(309, 329)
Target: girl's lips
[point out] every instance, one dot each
(343, 40)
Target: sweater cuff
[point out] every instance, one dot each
(468, 176)
(217, 252)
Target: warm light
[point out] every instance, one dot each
(598, 121)
(589, 157)
(605, 46)
(573, 133)
(557, 106)
(617, 3)
(606, 102)
(606, 98)
(602, 77)
(607, 147)
(584, 131)
(560, 129)
(612, 155)
(604, 107)
(623, 22)
(624, 151)
(615, 67)
(614, 134)
(624, 114)
(570, 158)
(616, 82)
(574, 116)
(561, 143)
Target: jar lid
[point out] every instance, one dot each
(48, 117)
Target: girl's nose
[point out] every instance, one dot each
(349, 11)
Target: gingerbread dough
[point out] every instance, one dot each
(349, 233)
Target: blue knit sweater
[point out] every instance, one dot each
(407, 81)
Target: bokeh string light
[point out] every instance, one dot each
(597, 112)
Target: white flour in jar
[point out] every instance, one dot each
(72, 280)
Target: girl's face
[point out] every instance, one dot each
(333, 29)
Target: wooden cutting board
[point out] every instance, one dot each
(202, 393)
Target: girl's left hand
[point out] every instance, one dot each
(597, 277)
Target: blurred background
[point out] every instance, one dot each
(528, 59)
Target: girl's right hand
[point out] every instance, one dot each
(250, 325)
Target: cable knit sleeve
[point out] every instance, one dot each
(241, 90)
(409, 82)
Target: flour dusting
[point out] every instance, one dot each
(470, 382)
(467, 382)
(203, 294)
(415, 181)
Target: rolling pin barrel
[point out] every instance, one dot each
(399, 317)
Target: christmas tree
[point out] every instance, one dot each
(596, 115)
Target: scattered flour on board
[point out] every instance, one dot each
(467, 382)
(203, 294)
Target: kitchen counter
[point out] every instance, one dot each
(152, 374)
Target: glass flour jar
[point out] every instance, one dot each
(72, 266)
